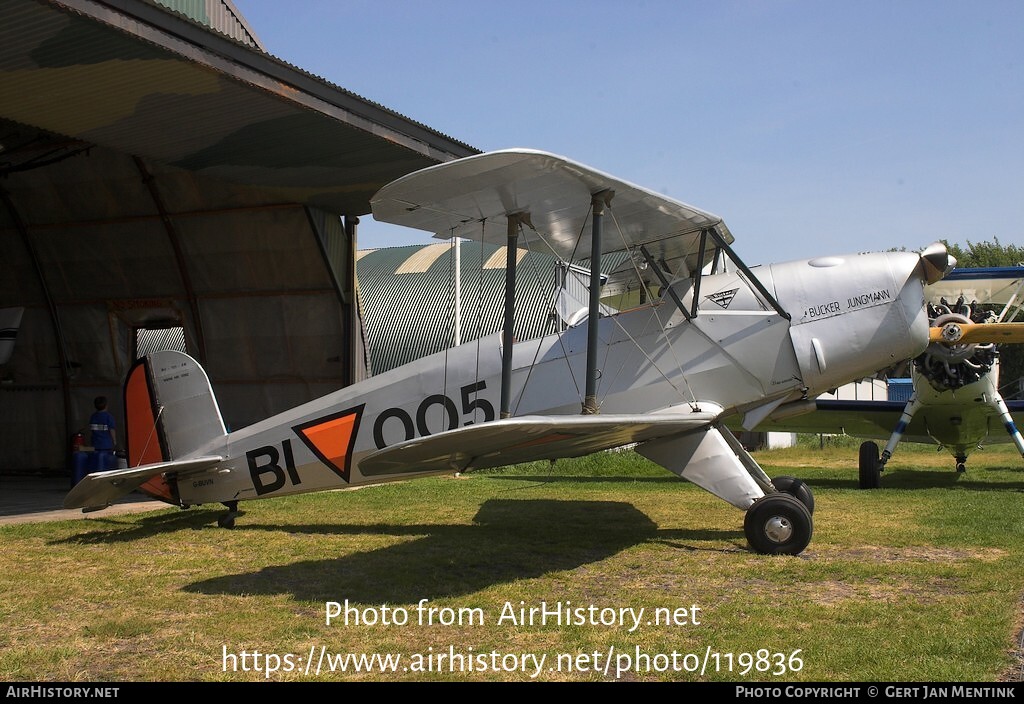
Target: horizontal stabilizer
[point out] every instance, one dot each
(100, 489)
(526, 439)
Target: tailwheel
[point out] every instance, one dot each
(961, 463)
(228, 519)
(778, 524)
(870, 466)
(797, 488)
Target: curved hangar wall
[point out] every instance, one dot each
(93, 260)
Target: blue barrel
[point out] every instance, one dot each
(79, 466)
(102, 460)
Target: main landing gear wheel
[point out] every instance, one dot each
(797, 488)
(778, 524)
(228, 519)
(870, 466)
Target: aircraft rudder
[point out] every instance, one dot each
(170, 412)
(144, 443)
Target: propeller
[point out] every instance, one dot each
(965, 333)
(960, 350)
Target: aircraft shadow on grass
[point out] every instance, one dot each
(509, 540)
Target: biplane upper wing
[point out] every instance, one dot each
(529, 438)
(471, 198)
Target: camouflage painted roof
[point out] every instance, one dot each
(147, 81)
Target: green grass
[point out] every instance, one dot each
(918, 581)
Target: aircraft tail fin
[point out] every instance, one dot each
(170, 412)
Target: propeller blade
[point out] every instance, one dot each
(969, 333)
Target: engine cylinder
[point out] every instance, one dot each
(951, 366)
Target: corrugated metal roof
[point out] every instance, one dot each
(408, 303)
(500, 257)
(410, 313)
(221, 15)
(420, 260)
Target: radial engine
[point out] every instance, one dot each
(951, 366)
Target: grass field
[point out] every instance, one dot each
(922, 580)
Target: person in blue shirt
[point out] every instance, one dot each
(103, 435)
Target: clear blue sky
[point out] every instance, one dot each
(812, 127)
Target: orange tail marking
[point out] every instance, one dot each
(332, 438)
(142, 438)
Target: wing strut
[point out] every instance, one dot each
(656, 268)
(599, 201)
(508, 334)
(753, 280)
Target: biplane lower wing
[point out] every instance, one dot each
(875, 420)
(529, 438)
(859, 419)
(99, 489)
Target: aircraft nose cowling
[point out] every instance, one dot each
(857, 314)
(936, 262)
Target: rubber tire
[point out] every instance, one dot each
(226, 521)
(798, 488)
(782, 506)
(869, 462)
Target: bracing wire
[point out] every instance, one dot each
(661, 325)
(479, 312)
(559, 336)
(551, 310)
(451, 317)
(152, 432)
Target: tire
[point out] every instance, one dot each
(797, 488)
(778, 524)
(870, 472)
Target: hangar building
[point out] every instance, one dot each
(408, 296)
(164, 180)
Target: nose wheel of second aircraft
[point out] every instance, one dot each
(778, 524)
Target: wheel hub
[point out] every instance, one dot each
(778, 529)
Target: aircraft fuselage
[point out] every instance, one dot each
(849, 317)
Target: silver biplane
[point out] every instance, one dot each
(956, 403)
(709, 338)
